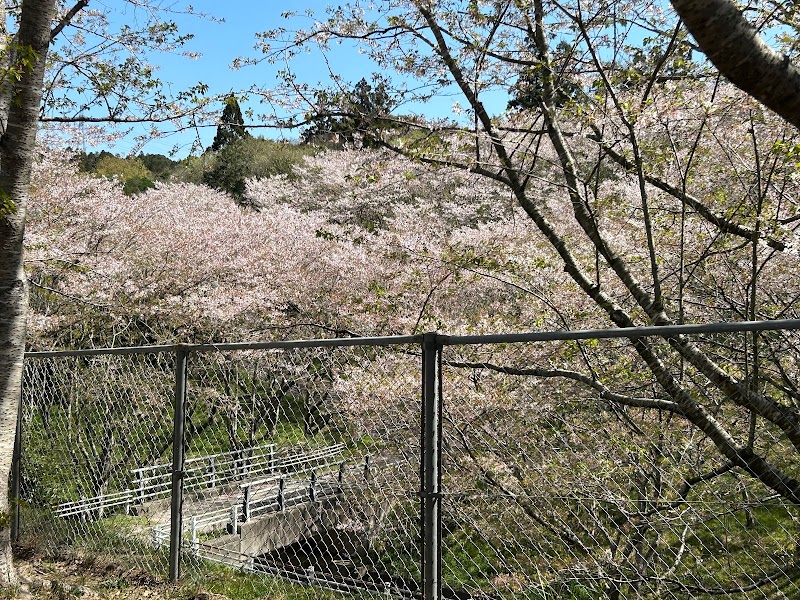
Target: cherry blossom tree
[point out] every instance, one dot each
(186, 263)
(353, 241)
(663, 194)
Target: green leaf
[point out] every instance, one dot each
(7, 204)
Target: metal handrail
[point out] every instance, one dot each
(264, 503)
(141, 492)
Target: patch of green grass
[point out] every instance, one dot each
(8, 591)
(241, 585)
(467, 560)
(728, 545)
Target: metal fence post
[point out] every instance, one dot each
(430, 468)
(178, 435)
(15, 472)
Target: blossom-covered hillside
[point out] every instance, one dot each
(356, 242)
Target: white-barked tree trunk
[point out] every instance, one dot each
(23, 97)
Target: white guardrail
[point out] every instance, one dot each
(210, 471)
(270, 494)
(204, 471)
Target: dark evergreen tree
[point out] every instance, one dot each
(249, 157)
(357, 115)
(528, 90)
(231, 126)
(137, 185)
(87, 162)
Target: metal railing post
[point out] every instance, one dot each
(246, 511)
(178, 439)
(141, 486)
(234, 518)
(430, 468)
(15, 472)
(195, 540)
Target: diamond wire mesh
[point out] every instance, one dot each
(303, 467)
(88, 422)
(554, 490)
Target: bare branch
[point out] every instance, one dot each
(603, 391)
(67, 18)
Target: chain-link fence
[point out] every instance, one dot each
(606, 464)
(285, 462)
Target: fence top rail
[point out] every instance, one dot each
(444, 340)
(664, 331)
(395, 340)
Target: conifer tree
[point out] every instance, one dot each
(231, 126)
(359, 114)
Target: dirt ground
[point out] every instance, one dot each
(85, 578)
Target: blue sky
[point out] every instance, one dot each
(231, 34)
(220, 43)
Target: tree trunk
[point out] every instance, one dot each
(6, 50)
(738, 51)
(16, 160)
